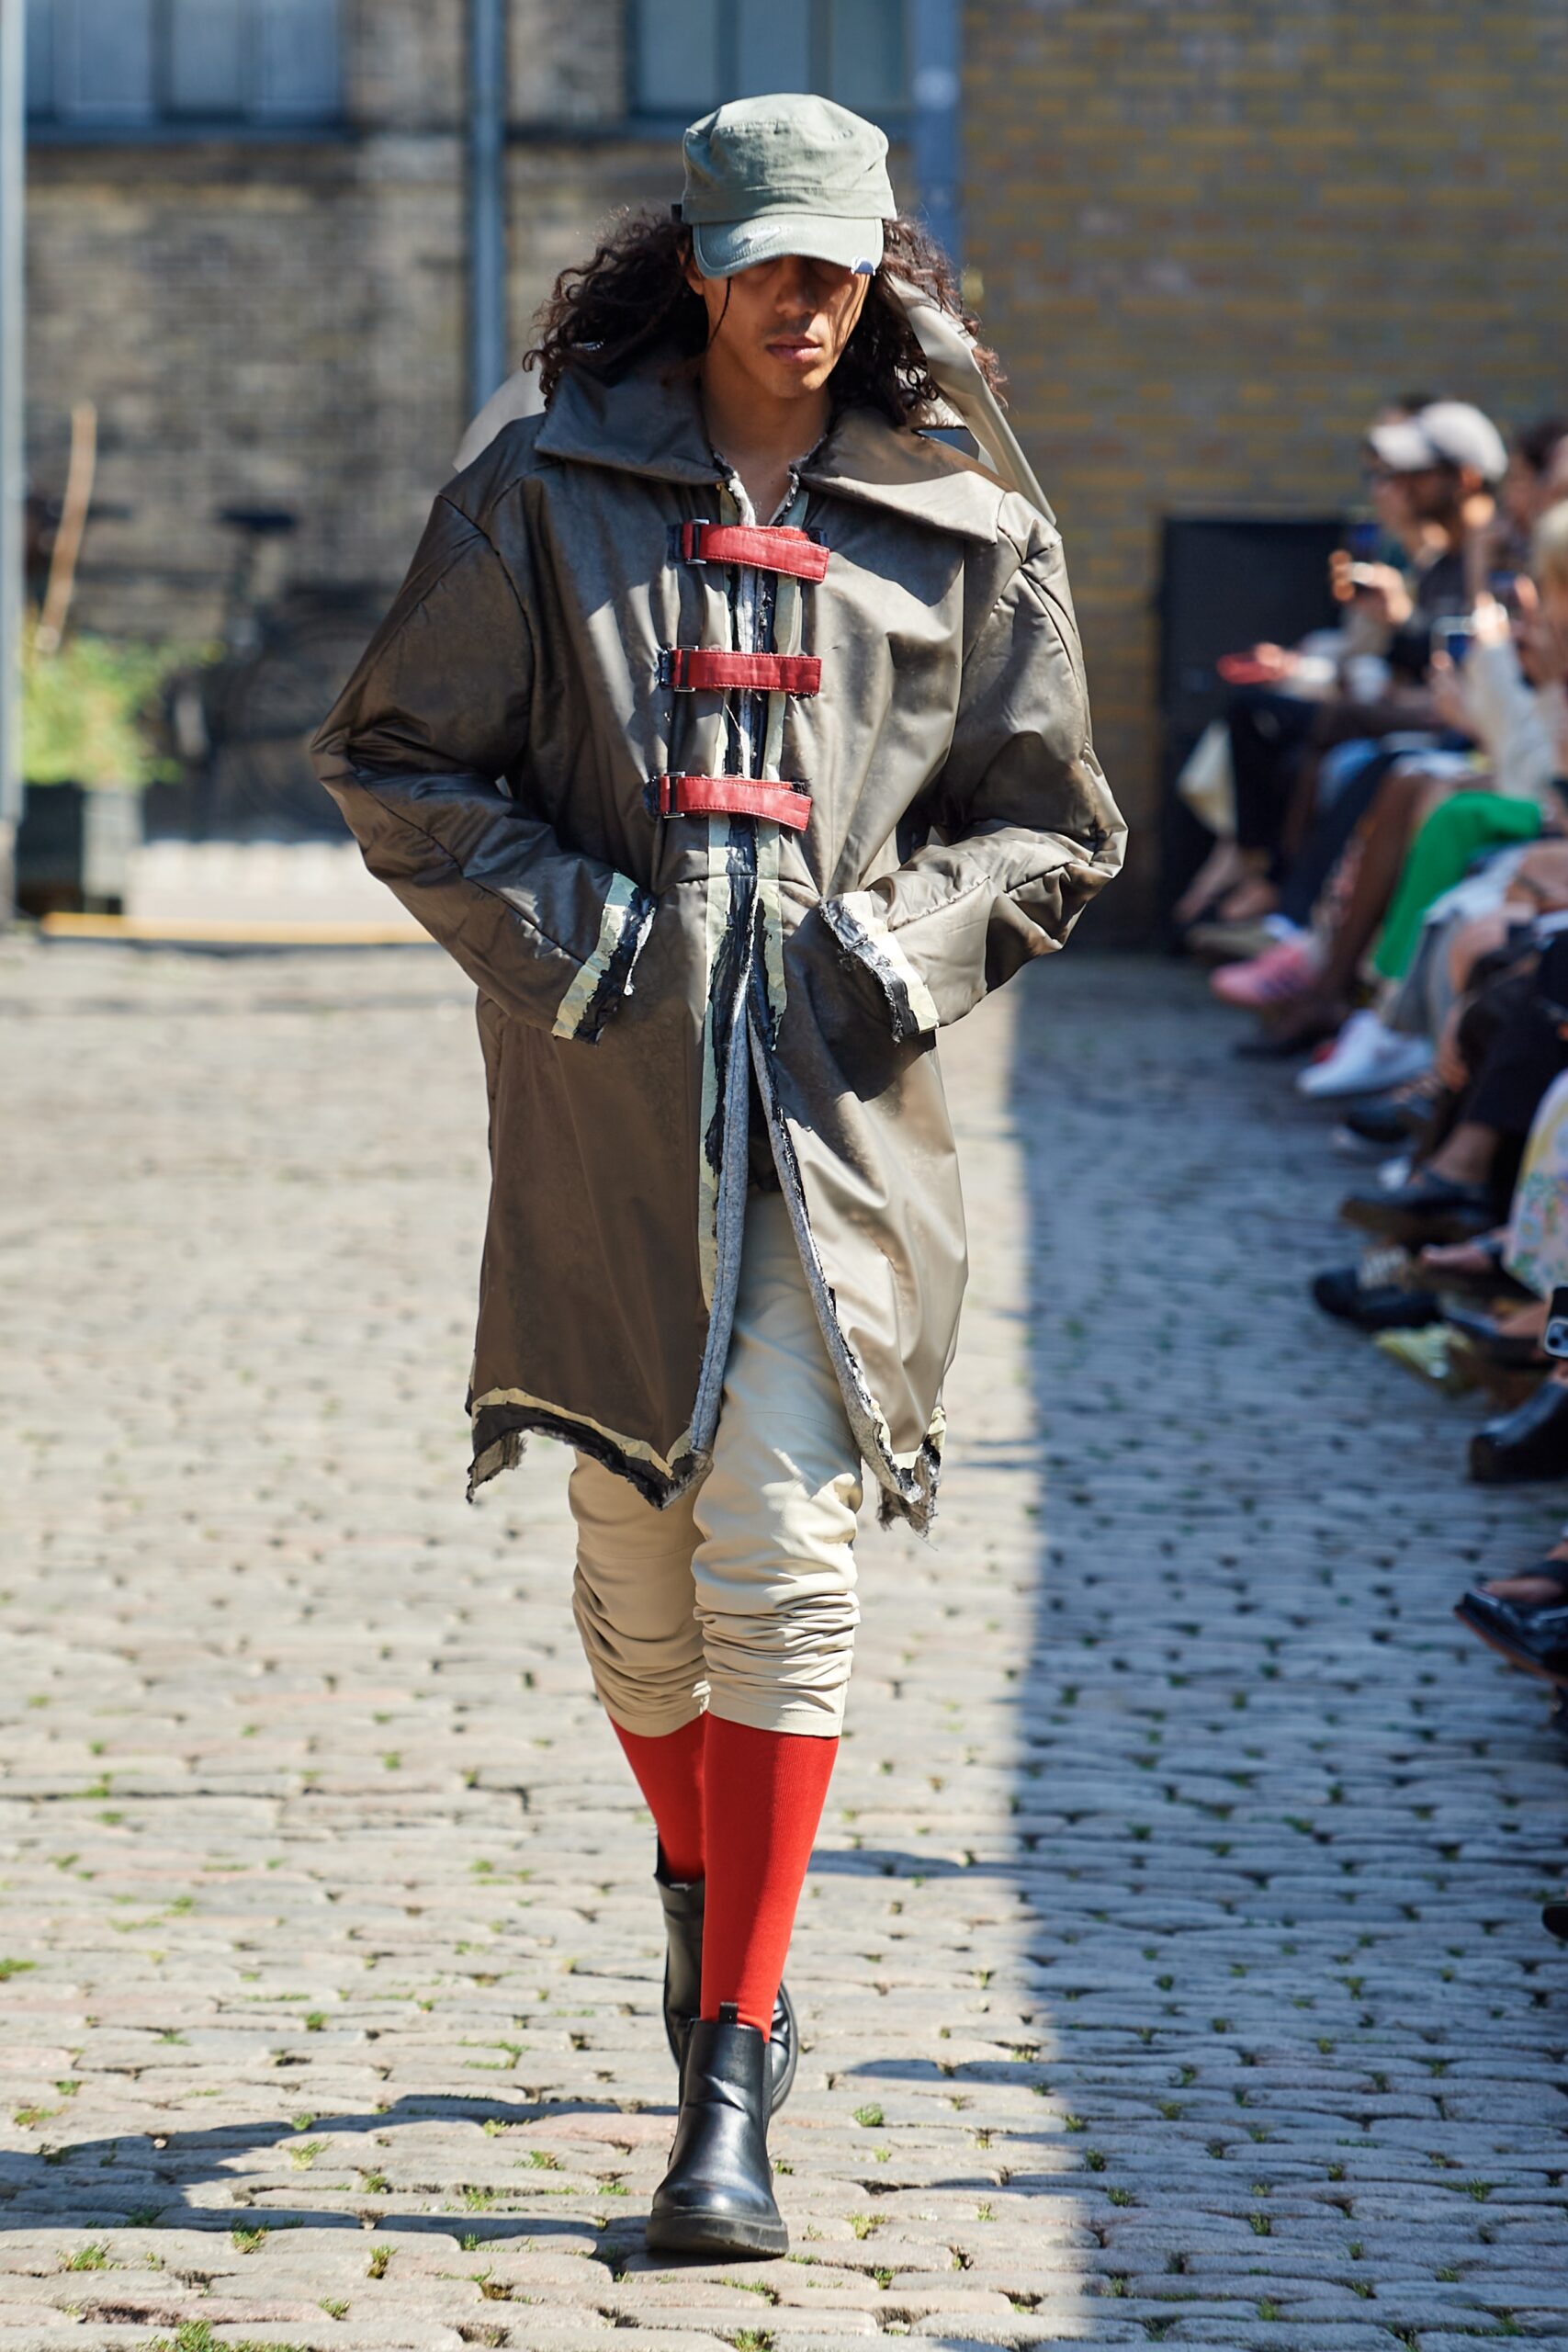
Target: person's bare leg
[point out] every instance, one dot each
(1219, 871)
(1397, 815)
(1301, 808)
(1439, 1258)
(1466, 1155)
(1482, 935)
(1401, 807)
(1253, 895)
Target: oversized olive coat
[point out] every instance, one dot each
(492, 754)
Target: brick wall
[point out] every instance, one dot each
(1211, 237)
(257, 323)
(1214, 237)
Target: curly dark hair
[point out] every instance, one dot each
(632, 298)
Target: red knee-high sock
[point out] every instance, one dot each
(763, 1798)
(670, 1774)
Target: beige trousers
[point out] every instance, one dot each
(740, 1596)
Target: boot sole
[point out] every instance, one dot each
(1410, 1228)
(713, 2233)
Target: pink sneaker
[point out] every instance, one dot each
(1279, 973)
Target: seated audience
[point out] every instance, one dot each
(1419, 922)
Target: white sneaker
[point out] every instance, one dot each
(1368, 1058)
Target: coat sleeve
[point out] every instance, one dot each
(1031, 831)
(435, 713)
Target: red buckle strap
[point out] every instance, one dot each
(771, 547)
(690, 669)
(733, 795)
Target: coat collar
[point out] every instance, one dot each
(646, 423)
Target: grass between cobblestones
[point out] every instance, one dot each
(1169, 1966)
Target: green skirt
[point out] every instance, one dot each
(1441, 854)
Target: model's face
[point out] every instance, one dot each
(784, 324)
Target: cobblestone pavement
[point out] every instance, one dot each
(1170, 1967)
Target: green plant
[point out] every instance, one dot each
(89, 2258)
(377, 2266)
(87, 710)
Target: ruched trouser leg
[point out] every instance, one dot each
(740, 1598)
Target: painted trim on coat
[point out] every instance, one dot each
(607, 977)
(858, 924)
(636, 1447)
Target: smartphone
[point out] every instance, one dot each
(1363, 540)
(1556, 1340)
(1453, 637)
(1504, 587)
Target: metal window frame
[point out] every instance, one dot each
(169, 125)
(655, 123)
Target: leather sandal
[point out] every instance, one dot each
(683, 1902)
(1514, 1351)
(716, 2199)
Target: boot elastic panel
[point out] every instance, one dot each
(683, 1902)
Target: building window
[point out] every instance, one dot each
(689, 55)
(108, 64)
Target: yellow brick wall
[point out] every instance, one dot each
(1213, 238)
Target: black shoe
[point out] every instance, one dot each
(717, 2197)
(1530, 1442)
(1429, 1208)
(1290, 1046)
(683, 1904)
(1377, 1307)
(1385, 1119)
(1535, 1639)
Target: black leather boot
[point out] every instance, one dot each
(717, 2197)
(1530, 1442)
(683, 1902)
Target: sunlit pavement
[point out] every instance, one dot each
(1171, 1967)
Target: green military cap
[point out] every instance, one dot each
(791, 175)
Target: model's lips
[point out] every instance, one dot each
(796, 347)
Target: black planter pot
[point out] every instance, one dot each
(73, 849)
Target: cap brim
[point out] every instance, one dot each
(1403, 447)
(723, 248)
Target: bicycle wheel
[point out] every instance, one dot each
(274, 703)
